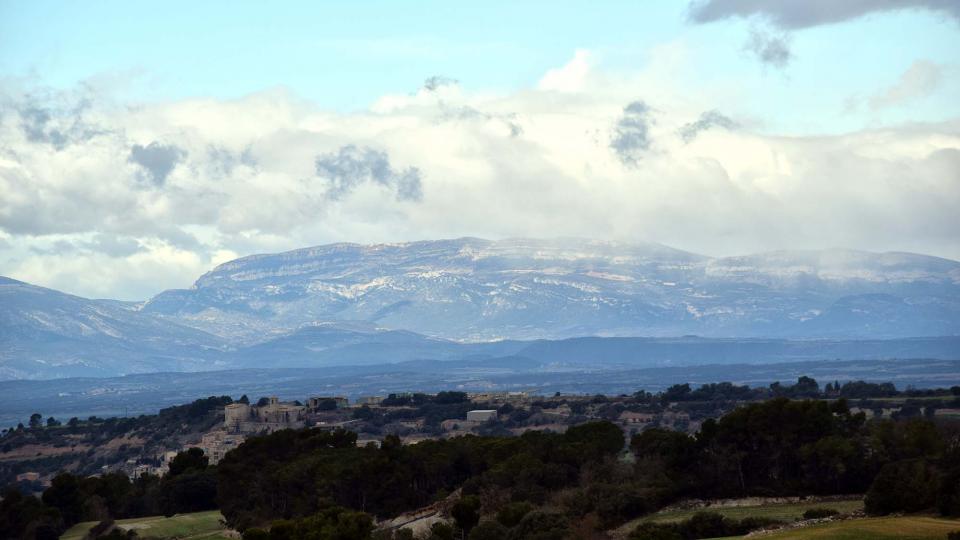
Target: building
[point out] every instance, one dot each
(482, 415)
(514, 398)
(320, 402)
(370, 401)
(217, 443)
(28, 477)
(634, 418)
(273, 416)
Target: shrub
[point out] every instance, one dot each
(819, 513)
(488, 530)
(511, 514)
(902, 486)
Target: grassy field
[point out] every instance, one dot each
(782, 512)
(198, 526)
(893, 528)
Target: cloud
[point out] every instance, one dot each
(157, 160)
(708, 120)
(569, 78)
(56, 119)
(352, 166)
(271, 171)
(797, 14)
(770, 49)
(631, 135)
(919, 80)
(114, 245)
(438, 81)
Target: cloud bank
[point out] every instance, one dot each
(797, 14)
(110, 199)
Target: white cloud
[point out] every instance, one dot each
(569, 78)
(919, 80)
(77, 215)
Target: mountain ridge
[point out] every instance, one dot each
(481, 290)
(437, 300)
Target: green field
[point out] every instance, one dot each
(893, 528)
(782, 512)
(198, 526)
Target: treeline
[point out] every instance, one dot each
(540, 485)
(804, 388)
(291, 474)
(189, 486)
(158, 431)
(550, 486)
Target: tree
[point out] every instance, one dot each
(36, 420)
(64, 494)
(466, 513)
(488, 530)
(244, 399)
(441, 531)
(902, 486)
(512, 513)
(948, 496)
(52, 422)
(677, 392)
(191, 459)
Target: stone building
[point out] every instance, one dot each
(273, 416)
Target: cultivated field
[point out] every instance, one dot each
(781, 511)
(197, 526)
(891, 528)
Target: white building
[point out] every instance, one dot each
(482, 415)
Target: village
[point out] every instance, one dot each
(403, 415)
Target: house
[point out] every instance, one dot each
(322, 402)
(630, 417)
(482, 415)
(28, 477)
(216, 444)
(370, 401)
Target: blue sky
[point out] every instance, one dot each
(344, 55)
(141, 143)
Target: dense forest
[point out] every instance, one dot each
(540, 485)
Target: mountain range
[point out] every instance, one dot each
(468, 297)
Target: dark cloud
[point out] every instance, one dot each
(437, 81)
(157, 160)
(708, 120)
(352, 166)
(114, 245)
(770, 49)
(631, 135)
(465, 112)
(795, 14)
(60, 247)
(55, 120)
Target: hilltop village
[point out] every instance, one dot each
(216, 425)
(31, 455)
(414, 416)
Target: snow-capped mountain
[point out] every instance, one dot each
(470, 289)
(348, 304)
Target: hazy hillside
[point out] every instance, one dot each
(472, 289)
(347, 304)
(46, 333)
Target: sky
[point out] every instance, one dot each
(142, 143)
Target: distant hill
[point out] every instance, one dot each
(545, 301)
(46, 334)
(472, 289)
